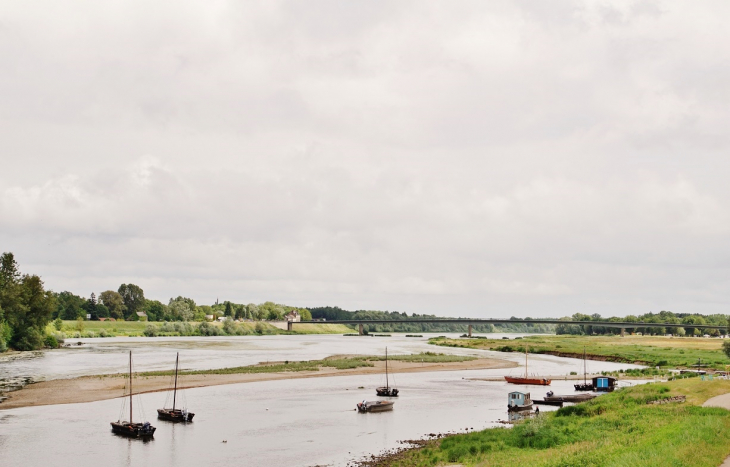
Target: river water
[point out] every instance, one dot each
(301, 422)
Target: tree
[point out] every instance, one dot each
(68, 306)
(114, 303)
(133, 297)
(180, 309)
(155, 310)
(305, 314)
(726, 347)
(30, 319)
(229, 309)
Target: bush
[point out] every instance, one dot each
(150, 330)
(52, 342)
(58, 324)
(207, 329)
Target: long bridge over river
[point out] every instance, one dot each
(623, 325)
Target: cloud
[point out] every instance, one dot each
(474, 159)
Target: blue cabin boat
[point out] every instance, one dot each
(518, 401)
(604, 383)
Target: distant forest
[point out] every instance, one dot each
(688, 319)
(331, 313)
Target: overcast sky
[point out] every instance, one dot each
(482, 159)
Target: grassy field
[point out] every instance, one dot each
(341, 363)
(617, 429)
(136, 328)
(676, 352)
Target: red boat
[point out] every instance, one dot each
(526, 379)
(521, 380)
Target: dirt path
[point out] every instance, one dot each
(96, 388)
(722, 401)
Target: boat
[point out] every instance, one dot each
(518, 402)
(374, 406)
(129, 428)
(550, 397)
(585, 385)
(526, 379)
(386, 391)
(174, 414)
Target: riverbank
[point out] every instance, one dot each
(674, 352)
(102, 387)
(621, 428)
(91, 329)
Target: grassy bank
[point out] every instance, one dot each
(676, 352)
(341, 363)
(616, 429)
(74, 329)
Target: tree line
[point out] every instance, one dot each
(686, 319)
(331, 313)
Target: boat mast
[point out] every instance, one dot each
(525, 361)
(174, 394)
(386, 369)
(130, 386)
(584, 365)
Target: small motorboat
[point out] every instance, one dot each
(519, 402)
(374, 406)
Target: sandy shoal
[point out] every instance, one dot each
(96, 388)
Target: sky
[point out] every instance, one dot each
(477, 159)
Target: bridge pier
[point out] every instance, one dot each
(470, 330)
(290, 325)
(623, 332)
(359, 329)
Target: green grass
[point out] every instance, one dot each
(617, 429)
(340, 363)
(677, 352)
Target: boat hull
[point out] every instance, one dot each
(583, 387)
(534, 381)
(386, 392)
(133, 430)
(519, 408)
(571, 398)
(175, 415)
(374, 406)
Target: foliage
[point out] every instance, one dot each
(726, 347)
(51, 342)
(114, 302)
(26, 306)
(181, 309)
(133, 298)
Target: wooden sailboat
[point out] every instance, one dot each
(585, 386)
(174, 414)
(129, 428)
(386, 390)
(527, 379)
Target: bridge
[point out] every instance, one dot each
(623, 325)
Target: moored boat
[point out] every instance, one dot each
(519, 402)
(174, 414)
(569, 397)
(386, 391)
(585, 385)
(526, 379)
(374, 406)
(129, 428)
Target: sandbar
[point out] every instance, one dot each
(103, 387)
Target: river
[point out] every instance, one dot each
(301, 422)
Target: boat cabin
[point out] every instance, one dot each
(604, 383)
(516, 399)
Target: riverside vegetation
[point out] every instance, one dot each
(618, 428)
(340, 363)
(674, 352)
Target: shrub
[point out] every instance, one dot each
(150, 330)
(52, 342)
(207, 329)
(58, 324)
